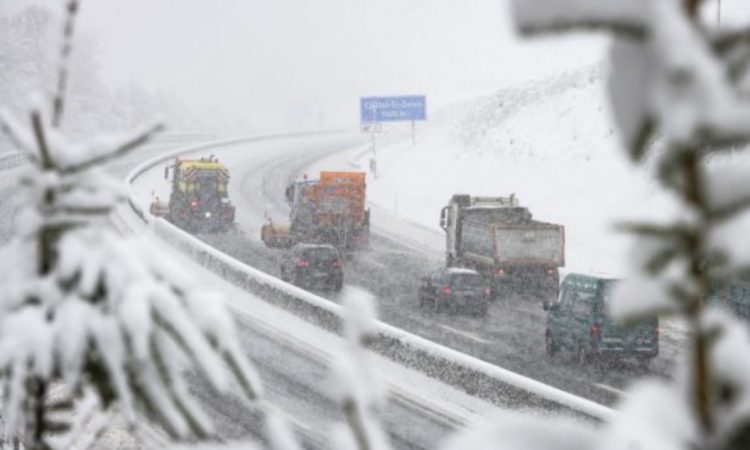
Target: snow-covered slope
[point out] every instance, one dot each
(551, 143)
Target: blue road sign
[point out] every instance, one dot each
(393, 109)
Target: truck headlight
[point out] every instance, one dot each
(208, 214)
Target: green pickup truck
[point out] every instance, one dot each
(578, 323)
(733, 297)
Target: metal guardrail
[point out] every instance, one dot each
(475, 377)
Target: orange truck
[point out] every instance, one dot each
(330, 209)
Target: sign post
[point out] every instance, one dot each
(374, 159)
(375, 110)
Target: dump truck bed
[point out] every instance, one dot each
(524, 243)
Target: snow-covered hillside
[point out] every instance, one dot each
(551, 143)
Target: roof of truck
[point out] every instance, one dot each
(327, 177)
(462, 270)
(487, 206)
(201, 164)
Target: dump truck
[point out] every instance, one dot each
(499, 238)
(199, 199)
(330, 209)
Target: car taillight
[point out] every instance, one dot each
(303, 263)
(551, 271)
(487, 292)
(499, 272)
(594, 330)
(337, 264)
(446, 290)
(194, 203)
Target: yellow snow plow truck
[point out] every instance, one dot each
(199, 201)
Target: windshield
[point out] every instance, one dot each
(605, 291)
(320, 254)
(466, 280)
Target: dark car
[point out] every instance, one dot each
(455, 289)
(313, 265)
(578, 322)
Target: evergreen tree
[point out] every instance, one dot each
(99, 313)
(677, 88)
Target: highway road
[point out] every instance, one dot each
(512, 334)
(295, 373)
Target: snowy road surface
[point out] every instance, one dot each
(511, 336)
(295, 370)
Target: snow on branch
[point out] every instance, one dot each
(101, 313)
(724, 41)
(545, 16)
(100, 150)
(670, 81)
(676, 90)
(727, 188)
(18, 135)
(733, 48)
(519, 432)
(692, 96)
(359, 390)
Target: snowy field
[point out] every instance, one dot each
(551, 143)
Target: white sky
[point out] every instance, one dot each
(275, 61)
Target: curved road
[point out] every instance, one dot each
(296, 375)
(510, 336)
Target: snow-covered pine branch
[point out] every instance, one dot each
(518, 432)
(359, 389)
(107, 313)
(676, 92)
(670, 80)
(545, 16)
(83, 306)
